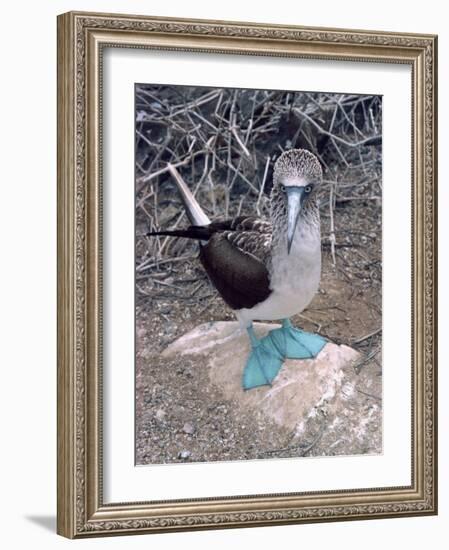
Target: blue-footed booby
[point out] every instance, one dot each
(266, 269)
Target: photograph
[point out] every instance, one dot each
(258, 274)
(246, 283)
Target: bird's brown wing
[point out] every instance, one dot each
(236, 260)
(242, 223)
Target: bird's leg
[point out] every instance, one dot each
(252, 336)
(263, 364)
(295, 343)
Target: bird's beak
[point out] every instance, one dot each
(294, 200)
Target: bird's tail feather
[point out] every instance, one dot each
(199, 233)
(194, 211)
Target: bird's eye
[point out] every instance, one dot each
(307, 188)
(283, 188)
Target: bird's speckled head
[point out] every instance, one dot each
(297, 176)
(297, 167)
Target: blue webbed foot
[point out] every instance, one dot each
(263, 364)
(295, 343)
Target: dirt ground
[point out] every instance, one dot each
(181, 417)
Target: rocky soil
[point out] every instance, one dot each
(183, 413)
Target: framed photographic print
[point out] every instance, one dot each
(246, 274)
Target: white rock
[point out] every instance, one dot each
(300, 389)
(184, 454)
(188, 428)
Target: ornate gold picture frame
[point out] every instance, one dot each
(82, 41)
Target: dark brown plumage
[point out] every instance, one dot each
(235, 257)
(236, 260)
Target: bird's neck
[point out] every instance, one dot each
(308, 226)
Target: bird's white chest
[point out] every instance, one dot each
(297, 274)
(294, 278)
